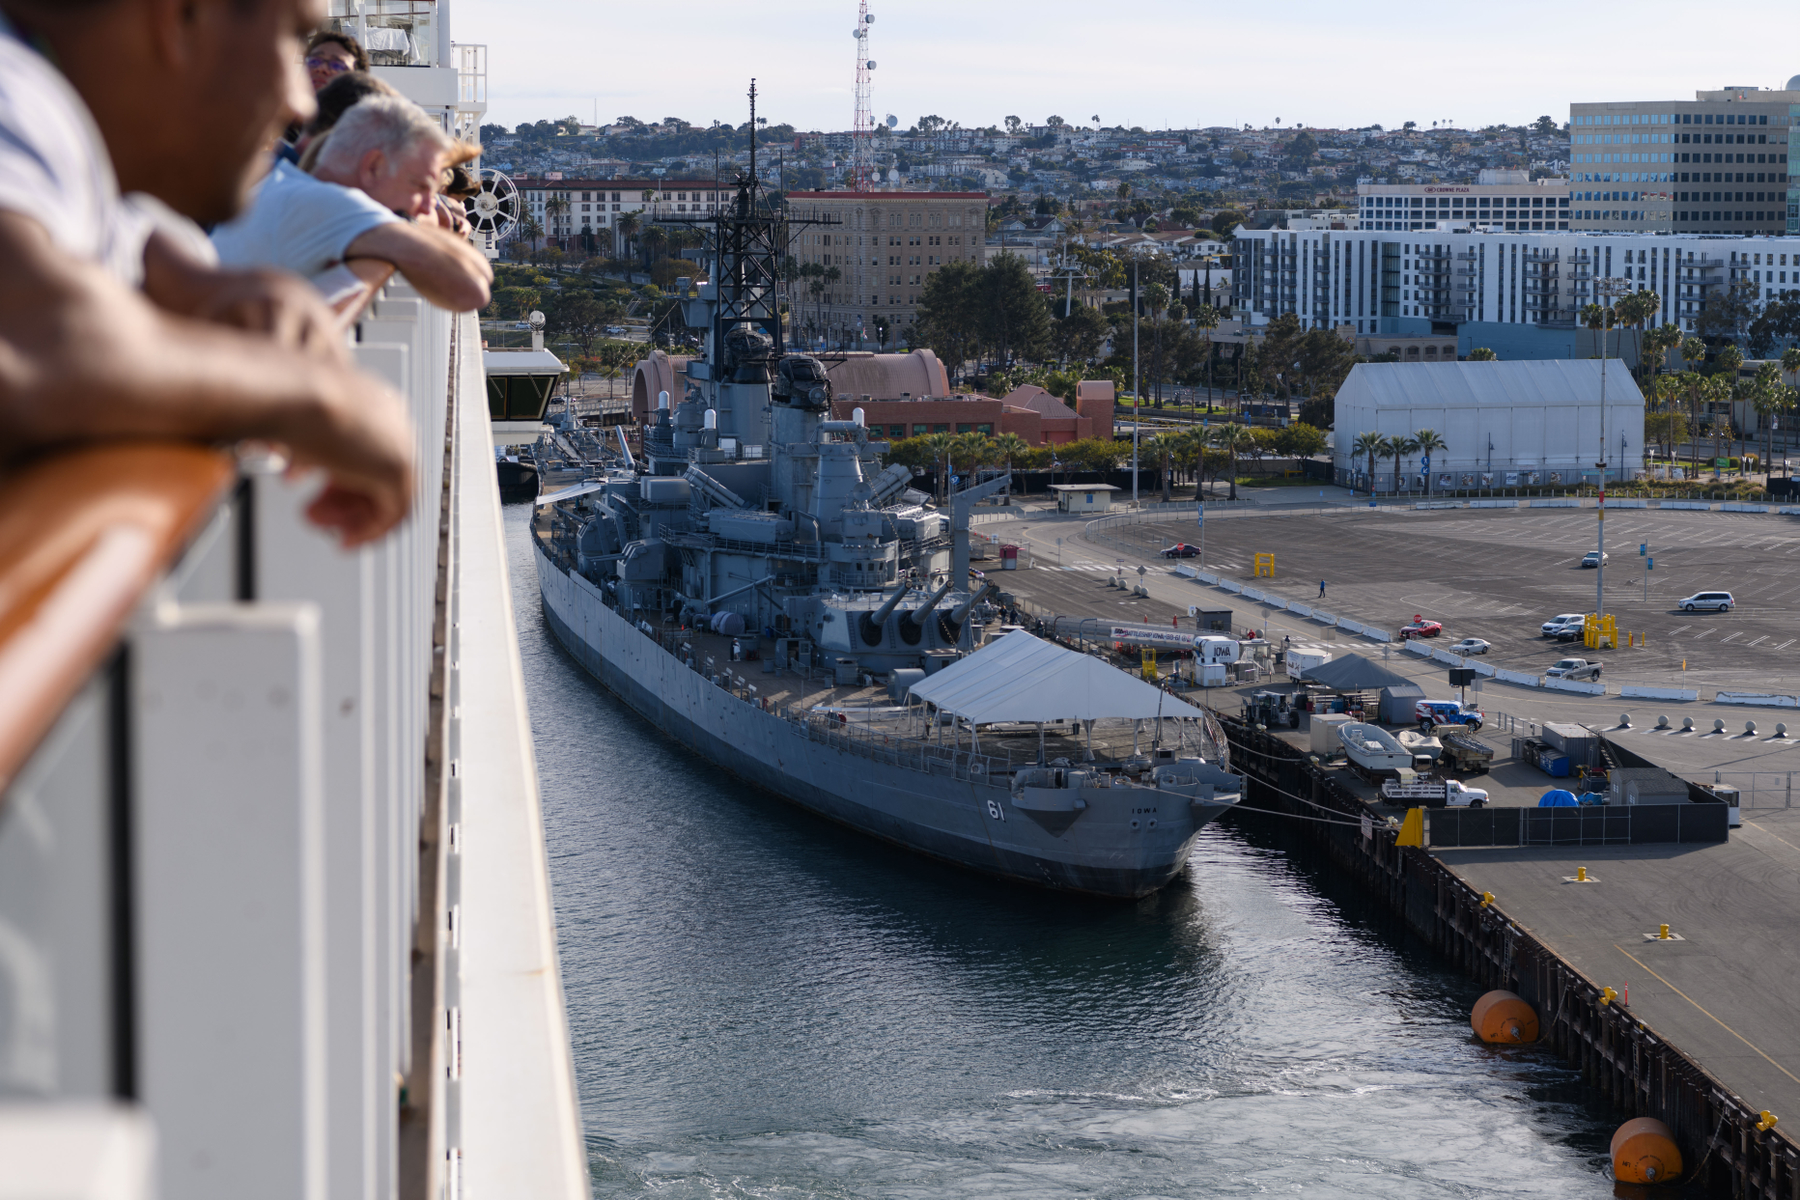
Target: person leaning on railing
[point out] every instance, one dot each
(372, 194)
(110, 325)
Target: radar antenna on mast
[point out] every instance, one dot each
(862, 135)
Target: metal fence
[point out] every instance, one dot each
(1594, 825)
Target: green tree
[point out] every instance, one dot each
(1235, 440)
(941, 446)
(949, 320)
(627, 227)
(1400, 446)
(1482, 354)
(1014, 320)
(1163, 448)
(1427, 442)
(1370, 444)
(1076, 337)
(1300, 440)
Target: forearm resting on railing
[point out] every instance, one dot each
(84, 359)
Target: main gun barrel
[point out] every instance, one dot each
(887, 609)
(961, 612)
(917, 616)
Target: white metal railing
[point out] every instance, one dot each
(274, 909)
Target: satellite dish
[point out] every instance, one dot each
(871, 64)
(858, 32)
(535, 319)
(891, 121)
(494, 210)
(893, 174)
(869, 17)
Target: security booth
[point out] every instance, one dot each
(1083, 497)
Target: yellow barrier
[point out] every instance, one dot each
(1412, 830)
(1265, 565)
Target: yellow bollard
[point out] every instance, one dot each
(1412, 830)
(1607, 996)
(1662, 931)
(1487, 898)
(1767, 1121)
(1580, 874)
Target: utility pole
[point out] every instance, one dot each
(1610, 289)
(1137, 404)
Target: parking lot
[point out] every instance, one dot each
(1499, 574)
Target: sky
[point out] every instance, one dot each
(1154, 63)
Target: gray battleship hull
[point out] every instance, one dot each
(1111, 849)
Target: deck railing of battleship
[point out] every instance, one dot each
(274, 911)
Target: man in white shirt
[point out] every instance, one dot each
(84, 355)
(377, 172)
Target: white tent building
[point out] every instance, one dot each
(1530, 423)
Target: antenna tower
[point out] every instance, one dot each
(862, 137)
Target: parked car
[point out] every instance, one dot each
(1470, 646)
(1717, 601)
(1421, 628)
(1432, 713)
(1180, 550)
(1593, 558)
(1556, 626)
(1574, 668)
(615, 330)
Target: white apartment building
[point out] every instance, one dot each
(1519, 294)
(1501, 200)
(592, 207)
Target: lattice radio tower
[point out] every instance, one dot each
(862, 137)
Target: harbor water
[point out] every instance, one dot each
(762, 1004)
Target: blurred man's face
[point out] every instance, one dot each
(244, 85)
(407, 183)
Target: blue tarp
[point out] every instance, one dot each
(1558, 798)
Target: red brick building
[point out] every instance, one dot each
(1036, 416)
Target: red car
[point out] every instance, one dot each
(1181, 550)
(1420, 627)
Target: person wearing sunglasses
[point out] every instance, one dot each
(330, 54)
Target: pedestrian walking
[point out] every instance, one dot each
(1321, 589)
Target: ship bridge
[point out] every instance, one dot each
(274, 911)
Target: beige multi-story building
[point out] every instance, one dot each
(1511, 201)
(1715, 164)
(883, 246)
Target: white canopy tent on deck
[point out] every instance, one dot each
(1021, 679)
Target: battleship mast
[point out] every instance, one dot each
(862, 137)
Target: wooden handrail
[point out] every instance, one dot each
(83, 536)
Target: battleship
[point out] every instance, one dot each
(759, 588)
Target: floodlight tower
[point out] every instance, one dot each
(862, 137)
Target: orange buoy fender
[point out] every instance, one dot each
(1502, 1019)
(1644, 1151)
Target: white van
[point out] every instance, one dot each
(1716, 601)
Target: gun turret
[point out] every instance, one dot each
(916, 618)
(887, 608)
(961, 612)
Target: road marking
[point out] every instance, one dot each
(1763, 638)
(1728, 637)
(1678, 629)
(1704, 632)
(1783, 645)
(1722, 1025)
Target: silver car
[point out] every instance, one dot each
(1716, 601)
(1469, 646)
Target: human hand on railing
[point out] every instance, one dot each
(360, 436)
(257, 300)
(450, 214)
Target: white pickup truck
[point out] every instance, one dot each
(1432, 793)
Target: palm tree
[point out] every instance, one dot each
(1718, 389)
(628, 227)
(1657, 344)
(1427, 442)
(555, 207)
(940, 446)
(971, 450)
(1207, 318)
(531, 229)
(1598, 318)
(1164, 447)
(1769, 395)
(1400, 446)
(1369, 444)
(1234, 439)
(1010, 446)
(655, 239)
